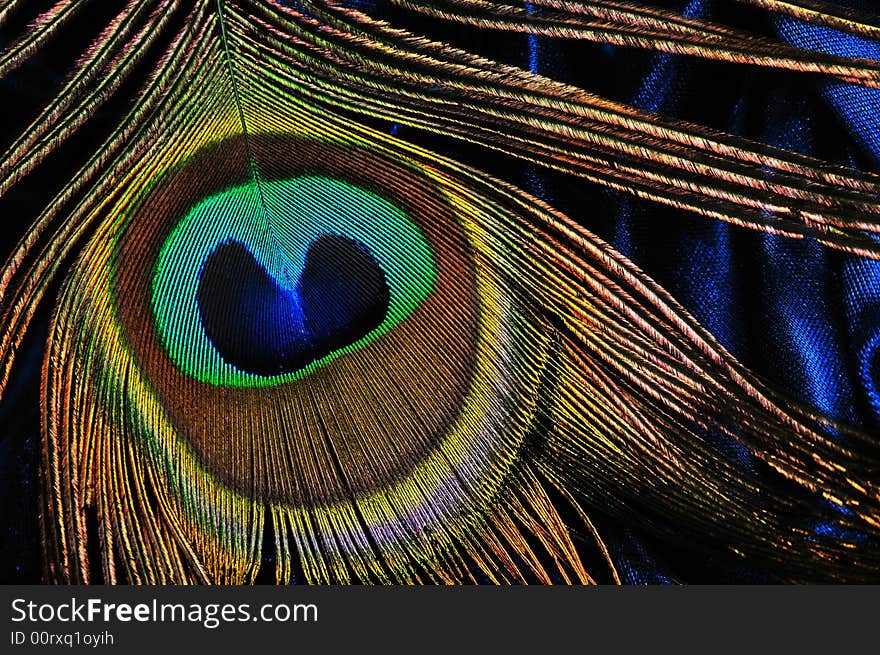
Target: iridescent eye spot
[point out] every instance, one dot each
(264, 328)
(259, 287)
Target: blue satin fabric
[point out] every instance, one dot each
(806, 318)
(858, 109)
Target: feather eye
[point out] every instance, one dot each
(282, 328)
(401, 428)
(311, 265)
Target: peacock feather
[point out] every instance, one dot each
(276, 326)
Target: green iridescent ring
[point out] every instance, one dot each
(323, 206)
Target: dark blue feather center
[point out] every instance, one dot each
(263, 328)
